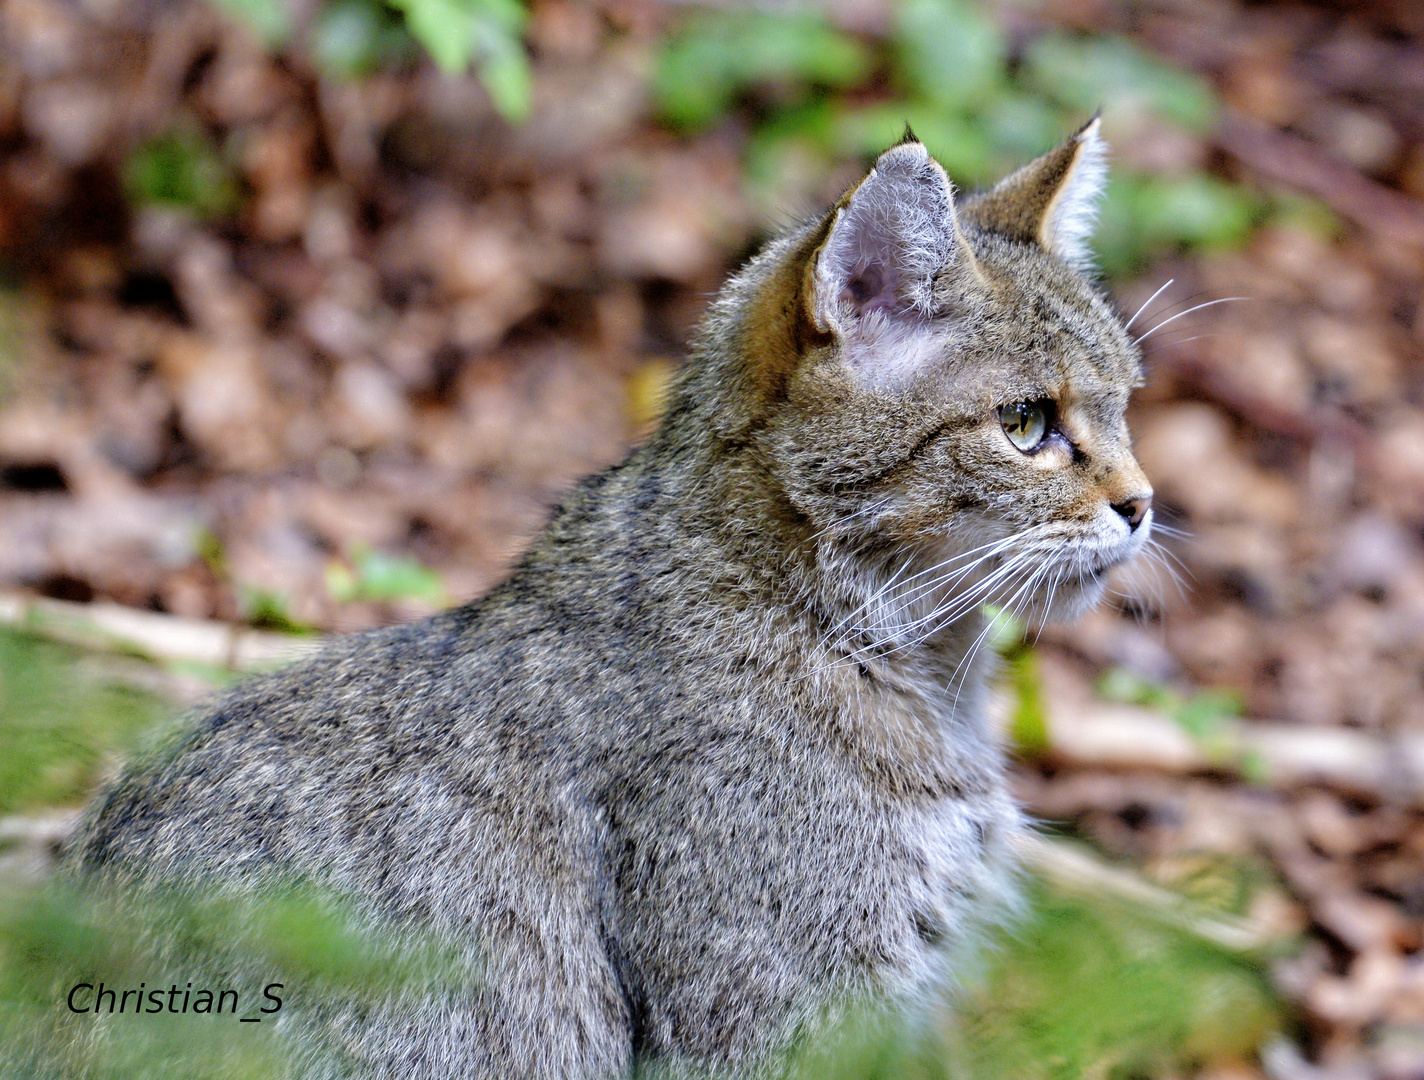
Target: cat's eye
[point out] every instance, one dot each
(1026, 423)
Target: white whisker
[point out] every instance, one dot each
(1128, 325)
(1180, 314)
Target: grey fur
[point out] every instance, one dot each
(713, 763)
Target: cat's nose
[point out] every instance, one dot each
(1134, 510)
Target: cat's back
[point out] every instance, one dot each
(424, 744)
(295, 769)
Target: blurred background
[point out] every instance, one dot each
(309, 310)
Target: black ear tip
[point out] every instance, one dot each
(908, 137)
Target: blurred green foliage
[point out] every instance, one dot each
(1028, 731)
(486, 33)
(380, 577)
(351, 38)
(62, 719)
(269, 609)
(1076, 988)
(183, 168)
(264, 608)
(1028, 716)
(317, 945)
(717, 55)
(820, 95)
(1087, 73)
(1201, 714)
(1094, 988)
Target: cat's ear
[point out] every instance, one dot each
(889, 238)
(1052, 201)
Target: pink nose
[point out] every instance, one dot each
(1134, 510)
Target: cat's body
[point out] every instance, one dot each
(714, 761)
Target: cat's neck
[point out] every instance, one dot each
(841, 600)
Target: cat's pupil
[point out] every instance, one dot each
(1025, 423)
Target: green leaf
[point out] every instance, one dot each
(714, 58)
(1028, 718)
(268, 609)
(958, 141)
(949, 52)
(790, 155)
(506, 75)
(1196, 210)
(1021, 126)
(1202, 714)
(269, 19)
(1086, 74)
(378, 577)
(485, 33)
(1130, 688)
(184, 169)
(352, 38)
(1149, 216)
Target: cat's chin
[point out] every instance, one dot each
(1071, 600)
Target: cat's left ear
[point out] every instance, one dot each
(1052, 201)
(888, 241)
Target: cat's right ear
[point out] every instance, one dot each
(889, 239)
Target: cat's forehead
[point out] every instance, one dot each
(1047, 322)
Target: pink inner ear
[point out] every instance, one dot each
(888, 242)
(872, 288)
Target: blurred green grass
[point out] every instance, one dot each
(1087, 988)
(64, 717)
(1077, 988)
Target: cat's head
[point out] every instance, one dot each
(936, 383)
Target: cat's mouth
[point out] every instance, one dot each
(1097, 570)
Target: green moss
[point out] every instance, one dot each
(183, 168)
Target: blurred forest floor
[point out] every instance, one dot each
(317, 352)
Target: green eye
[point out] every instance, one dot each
(1025, 423)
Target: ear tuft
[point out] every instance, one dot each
(889, 238)
(1067, 228)
(909, 136)
(1052, 201)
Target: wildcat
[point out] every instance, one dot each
(713, 763)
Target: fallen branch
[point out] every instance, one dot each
(28, 844)
(1073, 869)
(152, 635)
(1085, 731)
